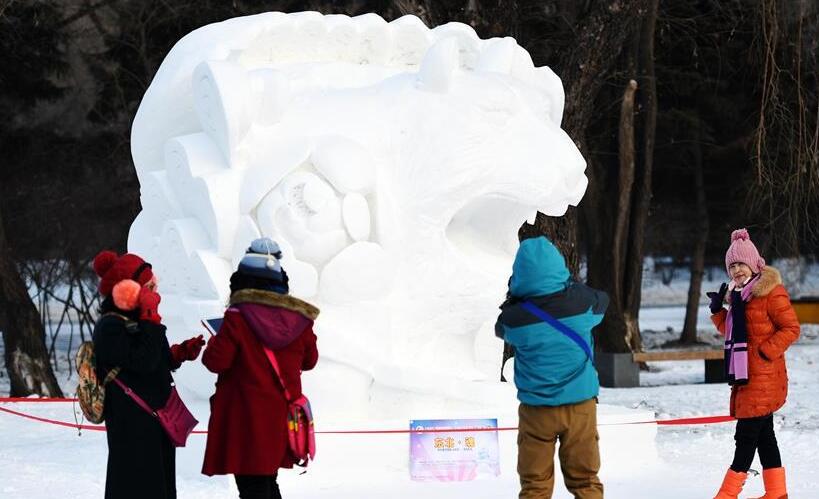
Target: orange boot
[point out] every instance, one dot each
(731, 485)
(774, 479)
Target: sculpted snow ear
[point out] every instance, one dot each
(411, 40)
(439, 65)
(552, 87)
(498, 56)
(221, 90)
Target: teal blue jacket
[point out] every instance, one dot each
(550, 368)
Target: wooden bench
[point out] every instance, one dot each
(807, 310)
(622, 370)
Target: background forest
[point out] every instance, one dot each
(695, 117)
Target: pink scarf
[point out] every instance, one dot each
(736, 336)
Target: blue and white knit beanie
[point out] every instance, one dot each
(262, 259)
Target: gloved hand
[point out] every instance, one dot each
(717, 298)
(188, 349)
(149, 305)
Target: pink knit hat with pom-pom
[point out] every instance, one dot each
(742, 250)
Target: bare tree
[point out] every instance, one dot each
(26, 356)
(643, 194)
(689, 332)
(615, 225)
(27, 33)
(786, 144)
(601, 34)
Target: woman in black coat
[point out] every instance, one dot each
(129, 336)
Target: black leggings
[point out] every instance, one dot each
(258, 487)
(756, 434)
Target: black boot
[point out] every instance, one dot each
(274, 488)
(253, 486)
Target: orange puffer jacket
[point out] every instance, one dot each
(772, 327)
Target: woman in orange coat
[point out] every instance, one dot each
(755, 315)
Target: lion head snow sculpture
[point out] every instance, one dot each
(393, 163)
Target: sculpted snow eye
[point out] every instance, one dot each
(392, 163)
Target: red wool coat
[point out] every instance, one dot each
(772, 327)
(247, 432)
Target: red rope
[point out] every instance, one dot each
(425, 430)
(54, 422)
(698, 420)
(63, 423)
(663, 422)
(42, 399)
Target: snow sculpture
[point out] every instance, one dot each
(393, 164)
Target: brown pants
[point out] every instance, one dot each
(576, 427)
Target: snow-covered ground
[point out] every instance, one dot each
(695, 457)
(37, 460)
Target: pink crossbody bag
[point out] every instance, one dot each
(174, 417)
(300, 432)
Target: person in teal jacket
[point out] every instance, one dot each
(548, 320)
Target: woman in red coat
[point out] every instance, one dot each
(247, 433)
(759, 324)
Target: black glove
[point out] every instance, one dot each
(717, 298)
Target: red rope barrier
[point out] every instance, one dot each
(446, 430)
(698, 420)
(661, 422)
(54, 422)
(41, 399)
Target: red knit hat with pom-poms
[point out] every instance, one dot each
(743, 250)
(113, 270)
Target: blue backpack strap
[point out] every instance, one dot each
(542, 314)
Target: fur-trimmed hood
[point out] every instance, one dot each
(273, 299)
(769, 279)
(275, 319)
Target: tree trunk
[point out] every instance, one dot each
(601, 35)
(642, 202)
(26, 356)
(610, 260)
(689, 332)
(625, 187)
(615, 225)
(562, 231)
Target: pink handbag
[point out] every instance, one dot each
(175, 418)
(300, 432)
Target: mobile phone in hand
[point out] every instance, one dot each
(212, 325)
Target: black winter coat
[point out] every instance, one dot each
(141, 458)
